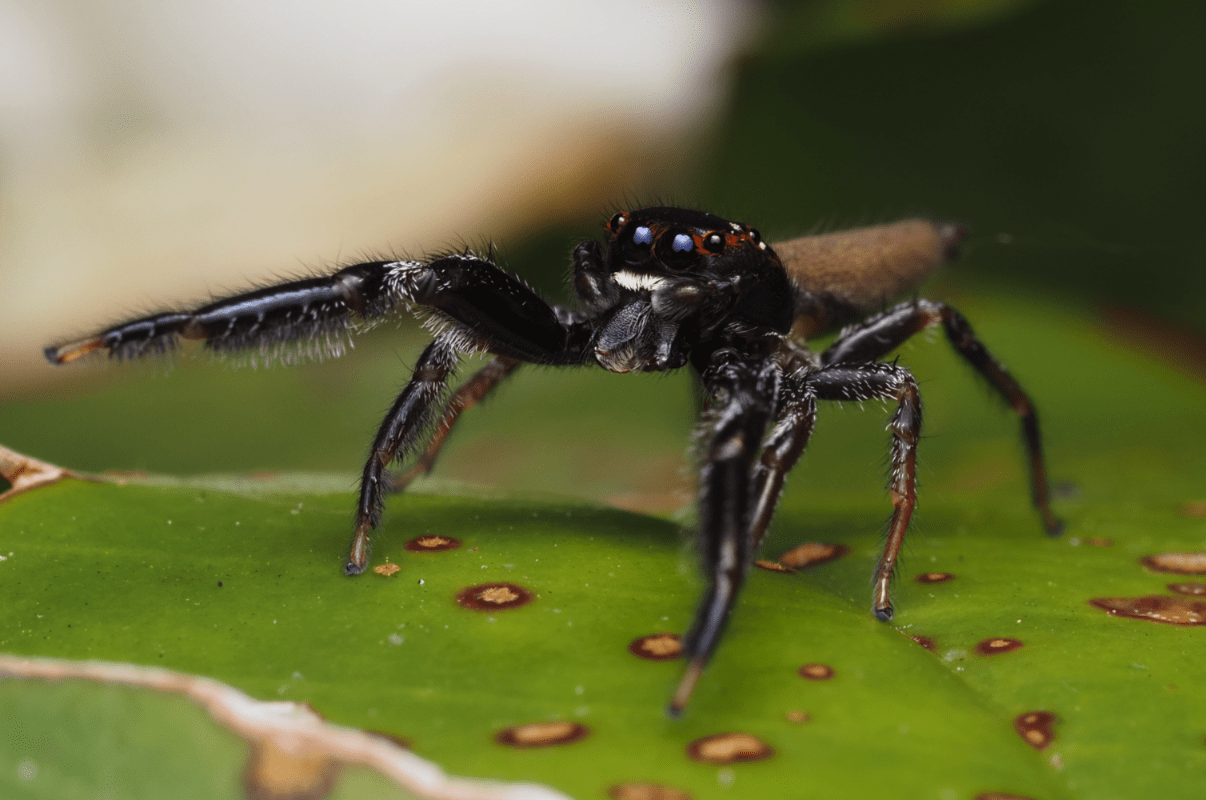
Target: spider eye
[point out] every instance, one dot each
(713, 243)
(642, 235)
(617, 222)
(676, 251)
(755, 236)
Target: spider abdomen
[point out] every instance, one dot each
(845, 275)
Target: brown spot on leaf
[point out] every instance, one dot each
(816, 672)
(657, 647)
(274, 772)
(1099, 541)
(797, 716)
(991, 647)
(431, 544)
(493, 596)
(727, 748)
(772, 566)
(1181, 563)
(926, 642)
(639, 790)
(1036, 728)
(810, 554)
(386, 569)
(1155, 608)
(541, 734)
(1196, 509)
(1188, 588)
(934, 577)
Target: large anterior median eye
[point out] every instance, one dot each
(642, 235)
(676, 250)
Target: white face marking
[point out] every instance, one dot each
(636, 282)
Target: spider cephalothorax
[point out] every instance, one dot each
(670, 287)
(669, 278)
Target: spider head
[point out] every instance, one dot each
(660, 242)
(692, 263)
(667, 279)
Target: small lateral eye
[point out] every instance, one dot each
(617, 222)
(642, 235)
(755, 236)
(682, 243)
(713, 242)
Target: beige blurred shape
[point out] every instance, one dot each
(154, 153)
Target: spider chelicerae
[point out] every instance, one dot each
(669, 288)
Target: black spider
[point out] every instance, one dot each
(670, 287)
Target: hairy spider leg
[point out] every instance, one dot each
(400, 429)
(780, 453)
(471, 392)
(313, 309)
(477, 307)
(745, 396)
(857, 382)
(883, 333)
(794, 423)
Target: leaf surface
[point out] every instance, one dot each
(239, 580)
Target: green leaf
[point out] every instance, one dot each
(239, 580)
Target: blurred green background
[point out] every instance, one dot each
(1067, 134)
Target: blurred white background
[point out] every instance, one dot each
(154, 152)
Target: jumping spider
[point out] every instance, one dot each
(670, 287)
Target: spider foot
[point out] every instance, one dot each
(881, 600)
(682, 695)
(358, 558)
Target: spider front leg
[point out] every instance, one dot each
(313, 313)
(883, 333)
(857, 382)
(745, 396)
